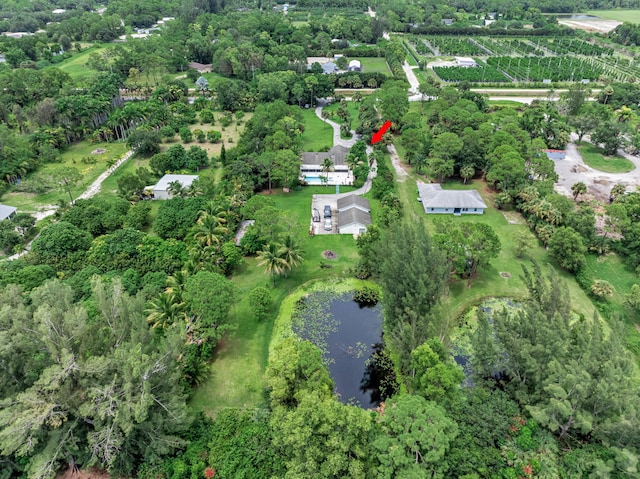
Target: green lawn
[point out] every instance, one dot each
(630, 16)
(373, 64)
(317, 134)
(489, 281)
(31, 202)
(76, 66)
(592, 156)
(352, 108)
(237, 369)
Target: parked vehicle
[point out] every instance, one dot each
(328, 226)
(327, 211)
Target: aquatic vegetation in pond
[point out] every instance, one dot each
(350, 339)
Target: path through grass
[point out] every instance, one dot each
(72, 156)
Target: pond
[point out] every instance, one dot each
(577, 17)
(350, 338)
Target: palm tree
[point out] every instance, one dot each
(176, 284)
(467, 172)
(210, 230)
(578, 189)
(327, 166)
(290, 252)
(164, 310)
(272, 260)
(175, 189)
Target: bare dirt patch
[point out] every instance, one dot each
(512, 217)
(99, 151)
(328, 254)
(504, 274)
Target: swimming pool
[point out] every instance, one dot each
(313, 180)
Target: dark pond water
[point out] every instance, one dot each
(350, 347)
(577, 17)
(350, 338)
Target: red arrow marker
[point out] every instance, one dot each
(377, 136)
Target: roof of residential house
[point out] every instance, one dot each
(201, 67)
(6, 211)
(353, 200)
(166, 180)
(337, 154)
(353, 216)
(355, 63)
(329, 67)
(556, 154)
(433, 196)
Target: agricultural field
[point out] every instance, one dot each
(566, 68)
(481, 73)
(570, 46)
(458, 46)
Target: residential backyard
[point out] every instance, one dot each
(237, 369)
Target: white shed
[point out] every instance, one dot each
(161, 189)
(7, 212)
(465, 62)
(355, 66)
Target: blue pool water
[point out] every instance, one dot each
(313, 180)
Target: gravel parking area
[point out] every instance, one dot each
(572, 169)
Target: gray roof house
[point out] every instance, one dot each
(353, 201)
(353, 221)
(7, 212)
(457, 202)
(161, 189)
(329, 67)
(311, 167)
(556, 154)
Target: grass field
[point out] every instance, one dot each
(317, 134)
(490, 281)
(592, 156)
(31, 202)
(630, 16)
(76, 66)
(373, 64)
(237, 370)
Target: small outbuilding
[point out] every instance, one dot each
(7, 212)
(353, 201)
(353, 221)
(161, 189)
(355, 66)
(466, 62)
(435, 200)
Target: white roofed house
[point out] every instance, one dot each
(435, 200)
(7, 212)
(162, 189)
